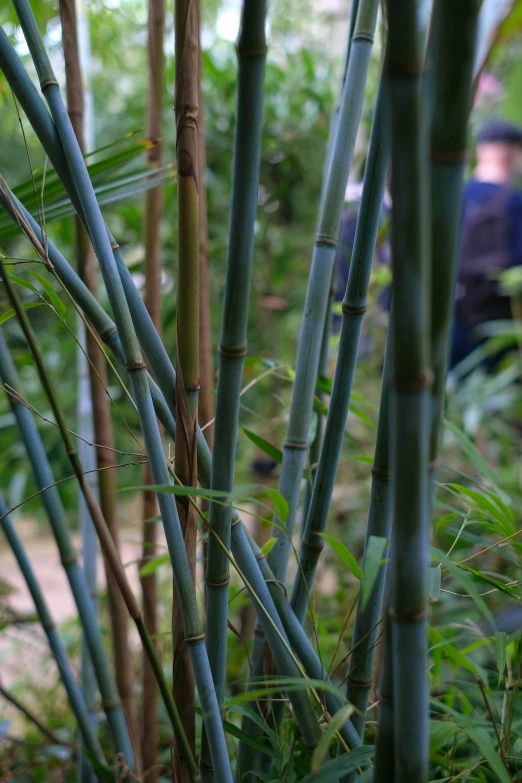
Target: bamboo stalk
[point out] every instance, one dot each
(354, 307)
(58, 520)
(385, 751)
(74, 695)
(320, 280)
(134, 362)
(251, 51)
(103, 432)
(107, 543)
(454, 65)
(154, 201)
(186, 107)
(411, 381)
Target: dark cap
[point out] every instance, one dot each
(497, 131)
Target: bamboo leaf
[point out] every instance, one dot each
(344, 553)
(489, 580)
(481, 501)
(441, 732)
(154, 564)
(434, 581)
(481, 738)
(373, 561)
(501, 644)
(269, 545)
(280, 504)
(340, 765)
(10, 313)
(24, 284)
(264, 445)
(328, 736)
(472, 453)
(57, 303)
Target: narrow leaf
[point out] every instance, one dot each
(58, 305)
(472, 453)
(373, 561)
(10, 313)
(24, 284)
(154, 563)
(340, 765)
(328, 736)
(264, 445)
(344, 553)
(269, 545)
(280, 504)
(434, 581)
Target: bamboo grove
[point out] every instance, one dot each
(419, 135)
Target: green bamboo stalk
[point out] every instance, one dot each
(134, 362)
(105, 485)
(411, 381)
(384, 771)
(320, 280)
(154, 202)
(354, 306)
(107, 543)
(78, 706)
(186, 107)
(251, 51)
(454, 65)
(58, 520)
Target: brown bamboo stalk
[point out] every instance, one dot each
(187, 16)
(154, 201)
(103, 432)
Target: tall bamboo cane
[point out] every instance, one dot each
(411, 380)
(386, 727)
(320, 280)
(354, 306)
(134, 362)
(108, 546)
(103, 433)
(154, 201)
(186, 106)
(56, 514)
(74, 695)
(454, 65)
(251, 50)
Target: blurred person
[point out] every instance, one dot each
(491, 236)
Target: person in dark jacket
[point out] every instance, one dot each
(491, 236)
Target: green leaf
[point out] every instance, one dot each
(154, 563)
(57, 303)
(472, 453)
(490, 580)
(10, 313)
(340, 765)
(236, 732)
(24, 284)
(434, 581)
(501, 644)
(481, 501)
(481, 738)
(328, 736)
(269, 545)
(344, 553)
(373, 561)
(441, 732)
(264, 445)
(280, 504)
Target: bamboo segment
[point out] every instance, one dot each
(102, 424)
(107, 543)
(58, 520)
(75, 697)
(320, 279)
(251, 49)
(140, 387)
(454, 61)
(411, 381)
(385, 751)
(154, 202)
(354, 307)
(186, 107)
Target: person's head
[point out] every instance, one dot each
(499, 152)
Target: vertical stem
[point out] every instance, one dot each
(186, 105)
(103, 432)
(154, 202)
(411, 381)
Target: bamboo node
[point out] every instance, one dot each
(382, 476)
(363, 37)
(449, 157)
(206, 767)
(358, 684)
(48, 83)
(260, 556)
(419, 617)
(313, 547)
(111, 704)
(293, 444)
(259, 51)
(107, 333)
(383, 700)
(349, 310)
(114, 245)
(235, 522)
(233, 353)
(417, 384)
(193, 639)
(277, 582)
(137, 364)
(321, 239)
(224, 583)
(69, 560)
